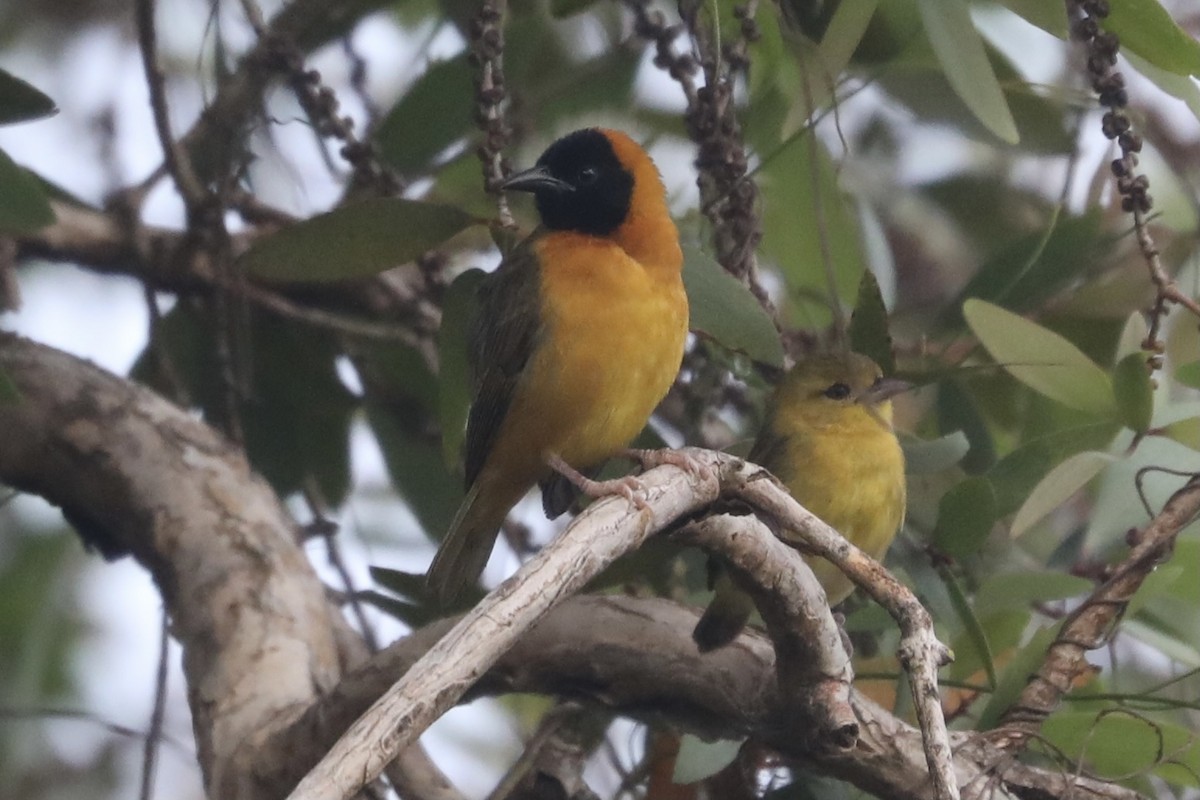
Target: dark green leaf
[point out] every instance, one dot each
(723, 309)
(966, 515)
(20, 102)
(1050, 17)
(1009, 590)
(982, 650)
(1146, 28)
(454, 377)
(1041, 359)
(869, 325)
(1016, 475)
(958, 411)
(361, 239)
(24, 206)
(966, 66)
(1134, 392)
(414, 615)
(433, 114)
(566, 8)
(418, 472)
(295, 412)
(1014, 677)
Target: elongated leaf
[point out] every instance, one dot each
(723, 309)
(922, 457)
(23, 204)
(20, 102)
(958, 411)
(1015, 476)
(1146, 28)
(422, 124)
(1014, 677)
(869, 325)
(1008, 590)
(1189, 374)
(975, 633)
(1041, 359)
(1059, 484)
(1050, 17)
(698, 759)
(1134, 392)
(965, 64)
(355, 241)
(966, 515)
(454, 378)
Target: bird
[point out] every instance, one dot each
(828, 437)
(578, 335)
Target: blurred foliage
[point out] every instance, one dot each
(911, 167)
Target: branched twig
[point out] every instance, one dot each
(1093, 623)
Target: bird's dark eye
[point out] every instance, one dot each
(588, 175)
(838, 391)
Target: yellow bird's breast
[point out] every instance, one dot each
(851, 475)
(612, 343)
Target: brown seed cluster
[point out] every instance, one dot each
(487, 50)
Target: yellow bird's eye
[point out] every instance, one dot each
(838, 391)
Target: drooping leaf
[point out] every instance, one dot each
(454, 376)
(1146, 28)
(1008, 590)
(24, 206)
(698, 759)
(869, 325)
(1059, 485)
(982, 649)
(723, 309)
(958, 412)
(361, 239)
(965, 63)
(1041, 359)
(20, 102)
(966, 515)
(1014, 676)
(422, 123)
(1134, 392)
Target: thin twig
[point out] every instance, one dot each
(154, 734)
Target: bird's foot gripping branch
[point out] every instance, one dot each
(811, 666)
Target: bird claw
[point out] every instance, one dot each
(676, 458)
(628, 487)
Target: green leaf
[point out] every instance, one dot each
(957, 411)
(1059, 484)
(1134, 392)
(1050, 17)
(422, 124)
(1041, 359)
(1189, 374)
(1185, 431)
(926, 456)
(966, 515)
(1146, 28)
(723, 309)
(698, 759)
(1015, 476)
(975, 633)
(24, 206)
(361, 239)
(1121, 743)
(965, 64)
(9, 393)
(869, 325)
(1014, 677)
(454, 376)
(20, 102)
(560, 9)
(1009, 590)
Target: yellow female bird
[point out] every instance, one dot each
(828, 436)
(579, 334)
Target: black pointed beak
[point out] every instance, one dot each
(883, 389)
(535, 179)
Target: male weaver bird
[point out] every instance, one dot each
(828, 437)
(579, 334)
